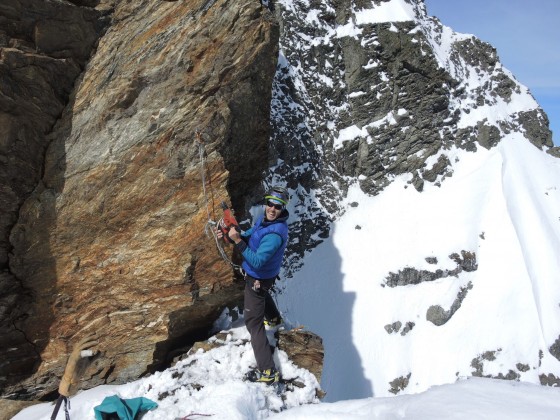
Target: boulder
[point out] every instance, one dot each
(44, 45)
(304, 348)
(112, 238)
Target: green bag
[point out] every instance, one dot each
(114, 407)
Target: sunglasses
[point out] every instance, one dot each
(276, 206)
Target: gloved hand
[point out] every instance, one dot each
(234, 235)
(68, 377)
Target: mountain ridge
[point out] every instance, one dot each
(367, 98)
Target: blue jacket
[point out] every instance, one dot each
(263, 254)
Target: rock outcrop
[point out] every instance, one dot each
(44, 46)
(112, 236)
(9, 408)
(359, 100)
(304, 348)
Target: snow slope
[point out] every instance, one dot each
(209, 383)
(502, 204)
(500, 211)
(222, 395)
(475, 398)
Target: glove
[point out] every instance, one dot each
(68, 377)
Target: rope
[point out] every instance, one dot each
(189, 416)
(210, 225)
(203, 166)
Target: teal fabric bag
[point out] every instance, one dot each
(124, 409)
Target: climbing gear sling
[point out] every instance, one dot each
(66, 400)
(224, 224)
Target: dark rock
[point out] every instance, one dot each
(304, 348)
(488, 135)
(399, 384)
(555, 349)
(45, 45)
(549, 380)
(409, 275)
(439, 316)
(394, 327)
(511, 375)
(554, 151)
(522, 367)
(441, 167)
(535, 124)
(407, 328)
(466, 261)
(478, 364)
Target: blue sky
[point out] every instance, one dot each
(526, 34)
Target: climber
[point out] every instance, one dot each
(262, 248)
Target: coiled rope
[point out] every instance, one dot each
(209, 227)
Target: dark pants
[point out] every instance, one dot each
(258, 304)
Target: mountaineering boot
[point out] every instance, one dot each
(267, 376)
(273, 323)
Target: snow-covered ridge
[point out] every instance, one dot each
(500, 318)
(365, 94)
(207, 383)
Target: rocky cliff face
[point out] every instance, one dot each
(364, 93)
(112, 236)
(44, 46)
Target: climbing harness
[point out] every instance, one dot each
(210, 226)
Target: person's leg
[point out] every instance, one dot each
(254, 320)
(271, 312)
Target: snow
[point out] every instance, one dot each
(497, 111)
(391, 11)
(353, 132)
(475, 398)
(466, 399)
(206, 382)
(349, 30)
(501, 204)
